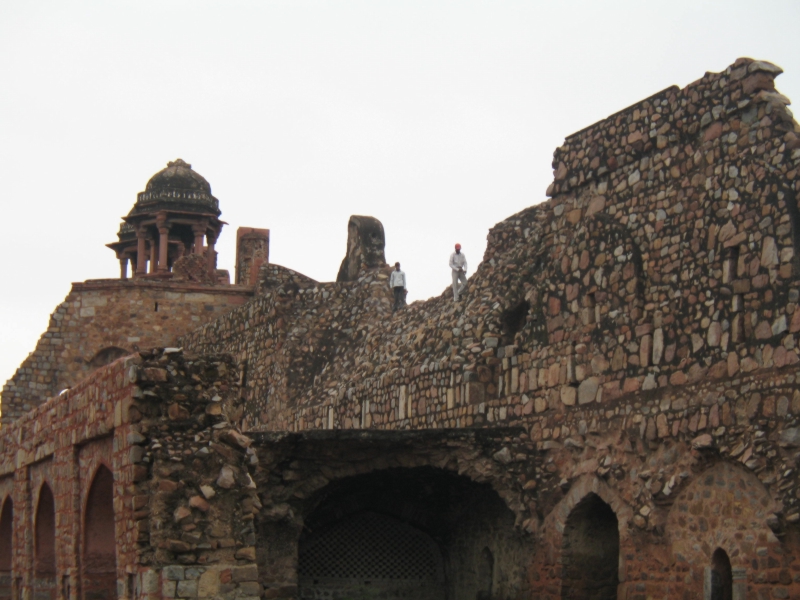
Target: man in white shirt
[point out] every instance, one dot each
(458, 264)
(397, 281)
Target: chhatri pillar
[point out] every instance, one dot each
(199, 230)
(163, 242)
(141, 249)
(153, 255)
(211, 255)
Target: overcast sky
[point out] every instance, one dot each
(438, 118)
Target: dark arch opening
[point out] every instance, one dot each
(107, 356)
(45, 546)
(513, 320)
(6, 548)
(721, 576)
(99, 557)
(590, 552)
(421, 533)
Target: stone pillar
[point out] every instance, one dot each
(141, 257)
(163, 241)
(211, 238)
(199, 231)
(153, 256)
(123, 268)
(163, 246)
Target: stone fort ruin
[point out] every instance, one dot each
(613, 411)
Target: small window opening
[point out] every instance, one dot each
(513, 320)
(730, 264)
(156, 308)
(132, 591)
(794, 218)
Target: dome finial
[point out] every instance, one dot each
(179, 163)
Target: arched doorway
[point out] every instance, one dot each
(721, 576)
(6, 548)
(99, 556)
(590, 552)
(44, 580)
(421, 533)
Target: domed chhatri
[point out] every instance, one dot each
(177, 187)
(178, 175)
(169, 220)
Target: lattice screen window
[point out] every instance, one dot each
(373, 547)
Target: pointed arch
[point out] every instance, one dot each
(6, 548)
(719, 578)
(44, 548)
(6, 534)
(590, 555)
(45, 533)
(99, 564)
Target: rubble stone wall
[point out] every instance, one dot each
(183, 499)
(100, 321)
(641, 326)
(628, 347)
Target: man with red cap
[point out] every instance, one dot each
(458, 265)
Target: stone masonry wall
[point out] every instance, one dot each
(61, 443)
(641, 326)
(183, 499)
(632, 343)
(102, 320)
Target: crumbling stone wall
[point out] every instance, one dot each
(183, 499)
(103, 320)
(641, 326)
(630, 345)
(291, 335)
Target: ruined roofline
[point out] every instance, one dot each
(670, 117)
(627, 109)
(674, 88)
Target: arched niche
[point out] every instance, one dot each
(721, 508)
(6, 548)
(106, 356)
(422, 533)
(99, 566)
(590, 552)
(44, 572)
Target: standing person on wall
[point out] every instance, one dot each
(397, 281)
(458, 265)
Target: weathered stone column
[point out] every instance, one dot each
(141, 257)
(123, 268)
(153, 255)
(163, 246)
(211, 253)
(199, 231)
